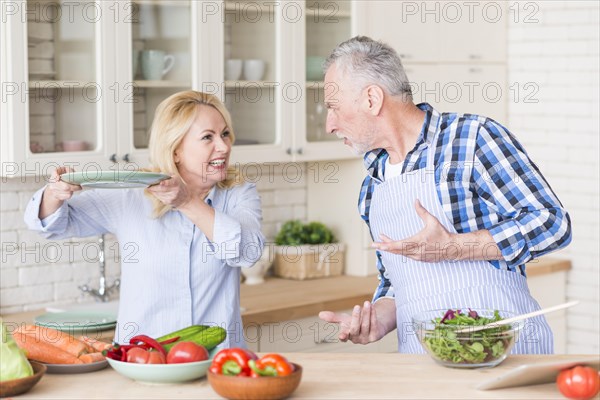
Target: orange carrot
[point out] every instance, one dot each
(39, 350)
(61, 340)
(96, 345)
(92, 357)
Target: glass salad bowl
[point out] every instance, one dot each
(437, 333)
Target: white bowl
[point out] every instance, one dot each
(163, 373)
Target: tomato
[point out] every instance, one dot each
(184, 352)
(579, 382)
(141, 356)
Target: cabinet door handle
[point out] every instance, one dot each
(126, 157)
(475, 70)
(300, 151)
(289, 151)
(405, 56)
(113, 158)
(475, 56)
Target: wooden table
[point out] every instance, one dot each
(325, 376)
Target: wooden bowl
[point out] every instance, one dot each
(261, 388)
(15, 387)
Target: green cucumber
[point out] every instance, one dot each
(207, 336)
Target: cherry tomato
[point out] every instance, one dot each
(141, 356)
(579, 382)
(184, 352)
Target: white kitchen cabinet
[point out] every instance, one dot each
(406, 27)
(280, 116)
(311, 335)
(454, 53)
(473, 31)
(441, 32)
(549, 290)
(463, 88)
(71, 94)
(76, 99)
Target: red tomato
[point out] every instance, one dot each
(184, 352)
(141, 356)
(579, 382)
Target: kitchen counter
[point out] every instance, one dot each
(325, 376)
(283, 299)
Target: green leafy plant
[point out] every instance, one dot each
(295, 233)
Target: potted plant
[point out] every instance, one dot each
(306, 251)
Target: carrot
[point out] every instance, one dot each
(42, 351)
(59, 339)
(92, 357)
(96, 345)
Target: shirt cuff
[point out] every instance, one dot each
(227, 234)
(511, 242)
(33, 210)
(383, 297)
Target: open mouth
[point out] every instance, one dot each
(217, 163)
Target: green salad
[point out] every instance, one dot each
(467, 347)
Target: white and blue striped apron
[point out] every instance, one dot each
(421, 286)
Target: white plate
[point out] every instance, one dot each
(113, 179)
(75, 368)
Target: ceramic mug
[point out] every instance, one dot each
(155, 64)
(233, 69)
(254, 70)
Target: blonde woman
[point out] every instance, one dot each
(190, 233)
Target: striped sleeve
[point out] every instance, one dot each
(237, 238)
(532, 221)
(385, 288)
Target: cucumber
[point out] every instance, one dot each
(207, 336)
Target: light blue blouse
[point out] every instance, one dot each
(172, 276)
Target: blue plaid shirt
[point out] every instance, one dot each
(485, 180)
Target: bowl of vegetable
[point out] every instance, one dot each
(239, 374)
(180, 356)
(15, 387)
(162, 372)
(451, 340)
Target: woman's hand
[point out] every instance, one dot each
(58, 189)
(56, 192)
(172, 192)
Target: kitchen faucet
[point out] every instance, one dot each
(103, 292)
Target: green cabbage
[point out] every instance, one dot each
(13, 363)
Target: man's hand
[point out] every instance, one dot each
(434, 243)
(172, 192)
(363, 326)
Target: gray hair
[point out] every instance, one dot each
(371, 62)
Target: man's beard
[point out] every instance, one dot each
(361, 147)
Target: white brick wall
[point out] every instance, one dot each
(37, 273)
(559, 54)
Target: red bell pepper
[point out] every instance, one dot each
(119, 351)
(147, 340)
(271, 365)
(232, 361)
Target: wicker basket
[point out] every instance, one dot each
(309, 261)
